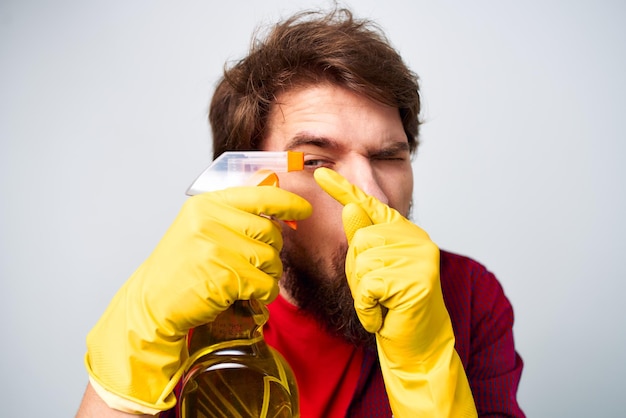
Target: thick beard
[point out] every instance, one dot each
(324, 295)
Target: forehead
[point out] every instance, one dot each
(333, 112)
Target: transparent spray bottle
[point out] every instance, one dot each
(232, 371)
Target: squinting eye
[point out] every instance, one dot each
(316, 163)
(395, 157)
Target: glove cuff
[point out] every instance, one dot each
(118, 403)
(117, 400)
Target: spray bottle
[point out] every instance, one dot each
(232, 371)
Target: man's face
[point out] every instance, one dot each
(365, 142)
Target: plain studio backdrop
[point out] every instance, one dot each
(103, 126)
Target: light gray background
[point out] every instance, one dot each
(102, 128)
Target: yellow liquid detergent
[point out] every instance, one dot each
(234, 373)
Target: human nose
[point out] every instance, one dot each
(364, 176)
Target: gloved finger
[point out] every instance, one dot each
(241, 250)
(206, 226)
(253, 282)
(366, 284)
(344, 192)
(240, 210)
(354, 218)
(216, 295)
(262, 287)
(267, 200)
(366, 303)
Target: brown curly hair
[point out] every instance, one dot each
(310, 48)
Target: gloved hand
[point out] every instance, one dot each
(392, 268)
(218, 250)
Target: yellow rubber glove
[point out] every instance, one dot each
(218, 250)
(392, 268)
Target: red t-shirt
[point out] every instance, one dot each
(327, 369)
